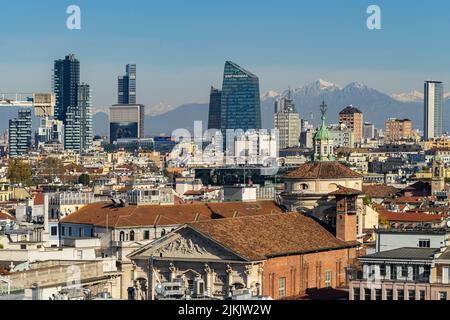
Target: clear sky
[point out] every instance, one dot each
(180, 45)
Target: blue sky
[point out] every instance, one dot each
(180, 46)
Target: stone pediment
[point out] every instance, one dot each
(185, 244)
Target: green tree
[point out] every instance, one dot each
(19, 171)
(51, 167)
(84, 179)
(1, 246)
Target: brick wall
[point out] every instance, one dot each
(302, 272)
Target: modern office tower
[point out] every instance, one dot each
(66, 78)
(126, 122)
(398, 129)
(50, 134)
(20, 134)
(354, 120)
(127, 86)
(287, 122)
(85, 106)
(215, 98)
(434, 110)
(240, 101)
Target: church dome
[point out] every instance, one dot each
(323, 134)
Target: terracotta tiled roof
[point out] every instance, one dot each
(238, 209)
(411, 217)
(38, 199)
(323, 170)
(405, 200)
(343, 191)
(379, 191)
(6, 216)
(105, 215)
(260, 237)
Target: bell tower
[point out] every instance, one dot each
(323, 141)
(438, 175)
(346, 213)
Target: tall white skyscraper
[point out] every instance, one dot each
(434, 109)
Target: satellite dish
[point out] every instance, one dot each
(160, 289)
(448, 224)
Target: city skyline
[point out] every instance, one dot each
(162, 49)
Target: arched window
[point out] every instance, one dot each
(122, 236)
(132, 236)
(163, 232)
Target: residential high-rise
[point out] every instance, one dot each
(398, 129)
(126, 122)
(20, 134)
(66, 78)
(127, 86)
(85, 106)
(214, 109)
(240, 101)
(354, 120)
(434, 110)
(78, 126)
(287, 122)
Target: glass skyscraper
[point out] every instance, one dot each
(240, 101)
(73, 104)
(434, 110)
(127, 86)
(214, 109)
(66, 78)
(20, 134)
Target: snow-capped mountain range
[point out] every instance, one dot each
(376, 106)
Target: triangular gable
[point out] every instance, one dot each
(185, 243)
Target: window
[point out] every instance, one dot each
(422, 295)
(389, 294)
(404, 271)
(356, 294)
(383, 270)
(23, 247)
(378, 294)
(400, 294)
(146, 235)
(328, 279)
(411, 295)
(122, 236)
(63, 231)
(367, 294)
(70, 231)
(132, 236)
(443, 296)
(54, 231)
(282, 287)
(424, 243)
